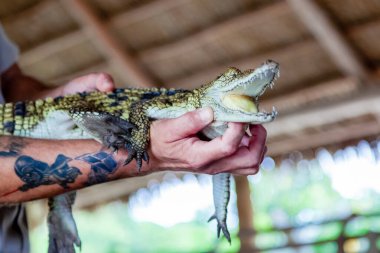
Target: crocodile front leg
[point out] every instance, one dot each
(117, 133)
(138, 142)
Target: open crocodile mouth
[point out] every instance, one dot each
(244, 96)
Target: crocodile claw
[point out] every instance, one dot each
(138, 155)
(222, 226)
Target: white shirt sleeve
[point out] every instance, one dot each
(8, 51)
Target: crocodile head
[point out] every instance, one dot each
(234, 96)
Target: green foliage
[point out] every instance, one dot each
(283, 194)
(325, 247)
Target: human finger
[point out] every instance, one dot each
(91, 82)
(220, 147)
(188, 124)
(104, 82)
(245, 157)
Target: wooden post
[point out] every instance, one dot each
(245, 213)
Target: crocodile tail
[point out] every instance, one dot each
(20, 117)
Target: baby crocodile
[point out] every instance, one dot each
(121, 120)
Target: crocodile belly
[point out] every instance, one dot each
(57, 125)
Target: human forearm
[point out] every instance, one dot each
(35, 168)
(22, 87)
(17, 86)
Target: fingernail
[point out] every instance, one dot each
(206, 114)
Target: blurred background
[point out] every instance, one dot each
(318, 189)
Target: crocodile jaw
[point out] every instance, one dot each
(251, 83)
(234, 95)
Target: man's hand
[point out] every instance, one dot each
(91, 82)
(174, 145)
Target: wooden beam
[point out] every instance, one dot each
(367, 102)
(330, 37)
(27, 13)
(34, 54)
(51, 47)
(143, 12)
(107, 44)
(189, 42)
(204, 76)
(332, 135)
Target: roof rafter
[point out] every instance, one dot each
(230, 24)
(195, 80)
(330, 37)
(51, 47)
(126, 65)
(143, 12)
(34, 54)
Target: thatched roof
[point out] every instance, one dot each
(329, 53)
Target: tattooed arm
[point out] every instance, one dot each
(34, 168)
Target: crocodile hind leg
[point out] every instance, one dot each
(110, 130)
(63, 233)
(221, 194)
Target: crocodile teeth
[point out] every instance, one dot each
(274, 112)
(248, 131)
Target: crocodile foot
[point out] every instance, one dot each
(127, 137)
(136, 152)
(222, 226)
(117, 133)
(63, 233)
(124, 135)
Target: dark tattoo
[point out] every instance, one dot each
(35, 173)
(102, 165)
(13, 148)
